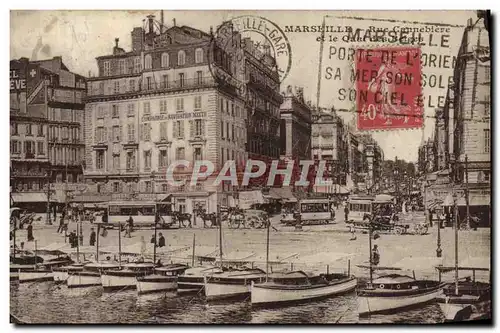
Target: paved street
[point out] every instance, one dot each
(334, 240)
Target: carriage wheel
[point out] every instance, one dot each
(424, 230)
(398, 230)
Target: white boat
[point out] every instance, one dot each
(394, 291)
(35, 274)
(298, 286)
(61, 274)
(233, 283)
(90, 275)
(192, 280)
(164, 279)
(125, 278)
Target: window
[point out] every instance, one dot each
(40, 148)
(164, 81)
(15, 129)
(162, 159)
(101, 88)
(487, 73)
(486, 175)
(222, 155)
(117, 87)
(179, 104)
(40, 130)
(227, 107)
(197, 154)
(221, 105)
(116, 133)
(115, 111)
(181, 58)
(227, 131)
(164, 188)
(197, 102)
(149, 187)
(100, 112)
(130, 161)
(137, 64)
(148, 62)
(146, 108)
(121, 66)
(199, 77)
(107, 71)
(179, 129)
(165, 60)
(198, 56)
(222, 129)
(232, 132)
(487, 141)
(163, 106)
(131, 110)
(29, 129)
(180, 153)
(131, 132)
(181, 80)
(131, 85)
(15, 147)
(116, 162)
(149, 83)
(100, 134)
(116, 187)
(198, 127)
(163, 131)
(147, 132)
(99, 161)
(147, 160)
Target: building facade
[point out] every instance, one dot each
(373, 158)
(160, 103)
(47, 139)
(472, 109)
(329, 139)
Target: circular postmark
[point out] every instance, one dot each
(243, 35)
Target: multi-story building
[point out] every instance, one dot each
(440, 140)
(47, 118)
(426, 156)
(472, 107)
(156, 104)
(330, 144)
(373, 157)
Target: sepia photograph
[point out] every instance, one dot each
(250, 167)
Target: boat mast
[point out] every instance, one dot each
(77, 243)
(14, 236)
(370, 249)
(154, 248)
(220, 234)
(267, 250)
(194, 244)
(120, 245)
(97, 244)
(456, 224)
(36, 261)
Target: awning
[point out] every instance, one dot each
(281, 193)
(29, 197)
(248, 198)
(91, 198)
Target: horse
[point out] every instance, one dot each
(211, 217)
(182, 218)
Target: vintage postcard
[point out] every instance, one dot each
(270, 167)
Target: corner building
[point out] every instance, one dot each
(156, 104)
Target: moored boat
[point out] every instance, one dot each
(163, 279)
(90, 275)
(192, 280)
(125, 278)
(394, 292)
(61, 274)
(232, 283)
(298, 286)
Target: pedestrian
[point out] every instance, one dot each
(431, 213)
(353, 235)
(29, 229)
(71, 239)
(55, 213)
(346, 212)
(375, 255)
(130, 221)
(161, 241)
(128, 231)
(153, 240)
(61, 225)
(93, 237)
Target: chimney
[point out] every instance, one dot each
(151, 23)
(161, 20)
(116, 42)
(174, 23)
(469, 22)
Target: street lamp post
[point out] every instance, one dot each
(439, 251)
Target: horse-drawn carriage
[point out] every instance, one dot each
(234, 218)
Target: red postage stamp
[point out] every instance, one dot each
(388, 85)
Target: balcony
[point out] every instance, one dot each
(160, 87)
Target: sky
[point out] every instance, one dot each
(81, 36)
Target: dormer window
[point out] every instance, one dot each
(165, 60)
(181, 58)
(148, 62)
